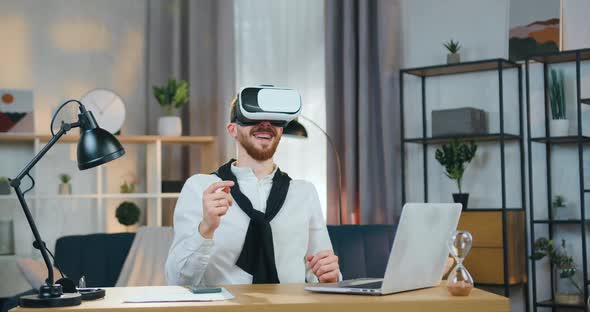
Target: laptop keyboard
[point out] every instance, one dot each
(373, 285)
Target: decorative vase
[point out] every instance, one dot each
(461, 198)
(4, 188)
(453, 58)
(65, 189)
(169, 126)
(559, 127)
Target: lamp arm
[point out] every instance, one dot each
(338, 165)
(15, 183)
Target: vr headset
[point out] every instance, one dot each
(266, 103)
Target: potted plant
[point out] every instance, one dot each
(455, 157)
(171, 97)
(559, 123)
(128, 214)
(129, 183)
(559, 207)
(4, 186)
(453, 47)
(65, 188)
(127, 187)
(564, 270)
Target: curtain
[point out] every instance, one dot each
(281, 42)
(362, 64)
(192, 40)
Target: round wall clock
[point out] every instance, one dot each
(107, 107)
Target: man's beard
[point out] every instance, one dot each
(255, 152)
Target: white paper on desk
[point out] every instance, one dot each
(176, 294)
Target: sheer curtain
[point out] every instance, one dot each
(281, 42)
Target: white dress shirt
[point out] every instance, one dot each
(298, 230)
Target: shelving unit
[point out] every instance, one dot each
(551, 143)
(499, 245)
(100, 197)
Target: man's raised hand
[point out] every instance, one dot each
(215, 205)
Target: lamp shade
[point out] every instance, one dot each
(296, 129)
(96, 147)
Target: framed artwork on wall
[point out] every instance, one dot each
(534, 27)
(16, 111)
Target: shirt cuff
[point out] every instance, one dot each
(197, 242)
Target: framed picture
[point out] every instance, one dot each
(534, 28)
(16, 111)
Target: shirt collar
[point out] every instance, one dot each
(246, 173)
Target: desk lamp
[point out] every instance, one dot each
(96, 146)
(296, 129)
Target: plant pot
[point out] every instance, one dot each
(567, 298)
(560, 213)
(564, 291)
(65, 189)
(4, 188)
(559, 127)
(453, 58)
(170, 126)
(461, 198)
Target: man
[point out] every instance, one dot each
(249, 222)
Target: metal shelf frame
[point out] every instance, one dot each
(545, 60)
(502, 138)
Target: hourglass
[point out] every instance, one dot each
(459, 281)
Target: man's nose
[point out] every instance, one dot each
(265, 123)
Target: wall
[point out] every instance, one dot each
(62, 49)
(576, 29)
(482, 28)
(288, 53)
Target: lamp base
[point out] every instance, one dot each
(65, 300)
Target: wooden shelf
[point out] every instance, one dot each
(561, 57)
(460, 68)
(96, 196)
(551, 304)
(564, 221)
(561, 140)
(491, 209)
(124, 139)
(477, 137)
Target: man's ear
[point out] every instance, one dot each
(232, 129)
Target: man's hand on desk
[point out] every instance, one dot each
(215, 205)
(325, 266)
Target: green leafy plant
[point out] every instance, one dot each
(557, 95)
(172, 96)
(558, 258)
(127, 213)
(127, 188)
(65, 178)
(4, 180)
(452, 46)
(455, 157)
(558, 202)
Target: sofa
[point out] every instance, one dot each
(363, 251)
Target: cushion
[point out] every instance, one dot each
(99, 257)
(35, 271)
(148, 254)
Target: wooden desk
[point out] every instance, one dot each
(292, 297)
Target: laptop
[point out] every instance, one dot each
(418, 255)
